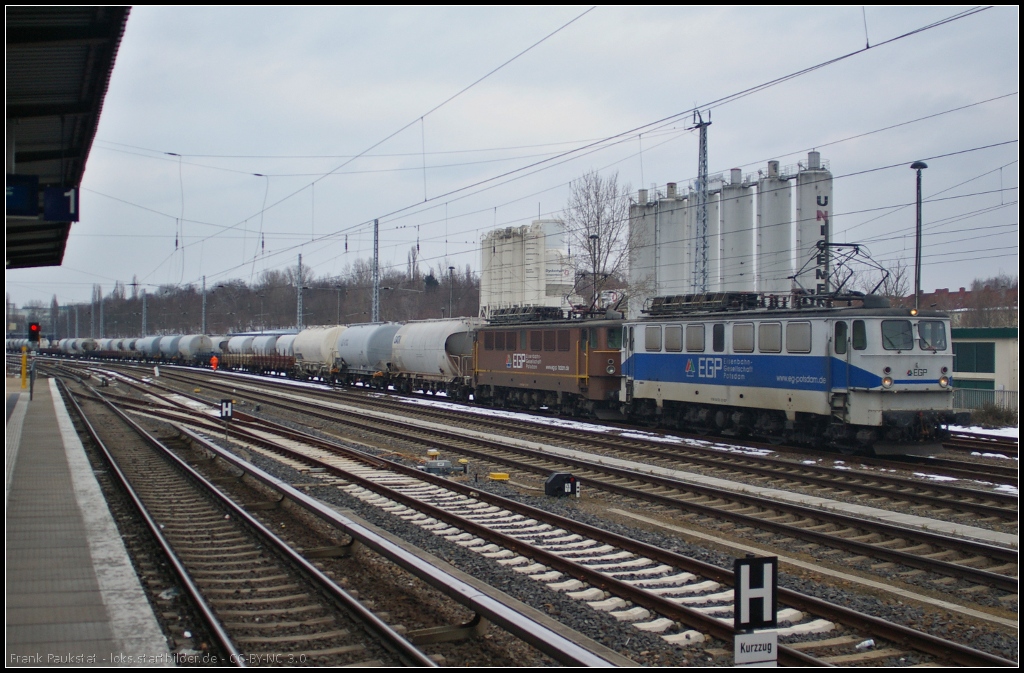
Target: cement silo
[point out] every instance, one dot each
(714, 245)
(813, 208)
(643, 270)
(774, 232)
(674, 221)
(737, 235)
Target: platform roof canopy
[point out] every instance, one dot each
(59, 61)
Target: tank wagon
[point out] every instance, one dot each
(435, 356)
(363, 354)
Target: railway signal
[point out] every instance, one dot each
(33, 332)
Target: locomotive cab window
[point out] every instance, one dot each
(839, 342)
(614, 338)
(897, 335)
(860, 335)
(652, 338)
(488, 341)
(931, 335)
(695, 338)
(769, 337)
(674, 338)
(743, 338)
(798, 337)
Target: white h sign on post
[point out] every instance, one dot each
(754, 607)
(765, 592)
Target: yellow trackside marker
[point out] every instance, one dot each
(24, 367)
(498, 476)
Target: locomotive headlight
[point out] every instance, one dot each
(887, 382)
(610, 369)
(944, 381)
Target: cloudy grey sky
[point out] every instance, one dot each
(228, 139)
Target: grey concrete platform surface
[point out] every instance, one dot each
(73, 597)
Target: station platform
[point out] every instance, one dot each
(73, 597)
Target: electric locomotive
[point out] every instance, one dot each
(862, 377)
(538, 359)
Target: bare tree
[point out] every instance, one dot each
(892, 280)
(992, 302)
(896, 284)
(597, 229)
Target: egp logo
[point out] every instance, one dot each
(708, 368)
(517, 360)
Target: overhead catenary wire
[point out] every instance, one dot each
(627, 134)
(454, 215)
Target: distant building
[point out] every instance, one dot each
(988, 307)
(985, 367)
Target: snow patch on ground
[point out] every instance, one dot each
(993, 432)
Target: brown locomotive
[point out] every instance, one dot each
(567, 366)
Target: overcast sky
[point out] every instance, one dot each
(202, 100)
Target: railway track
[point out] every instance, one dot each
(977, 442)
(976, 563)
(406, 433)
(886, 491)
(220, 563)
(920, 494)
(262, 602)
(645, 583)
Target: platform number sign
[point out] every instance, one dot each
(754, 592)
(225, 409)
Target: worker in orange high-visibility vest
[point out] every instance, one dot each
(213, 362)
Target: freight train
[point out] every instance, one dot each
(855, 375)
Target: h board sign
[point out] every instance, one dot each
(754, 601)
(226, 409)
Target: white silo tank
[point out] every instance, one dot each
(737, 235)
(534, 265)
(813, 216)
(643, 272)
(689, 245)
(487, 253)
(774, 232)
(673, 243)
(714, 244)
(504, 273)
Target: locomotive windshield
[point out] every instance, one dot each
(932, 335)
(897, 335)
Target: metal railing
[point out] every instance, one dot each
(973, 398)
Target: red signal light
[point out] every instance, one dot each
(33, 332)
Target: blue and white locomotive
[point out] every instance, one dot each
(855, 378)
